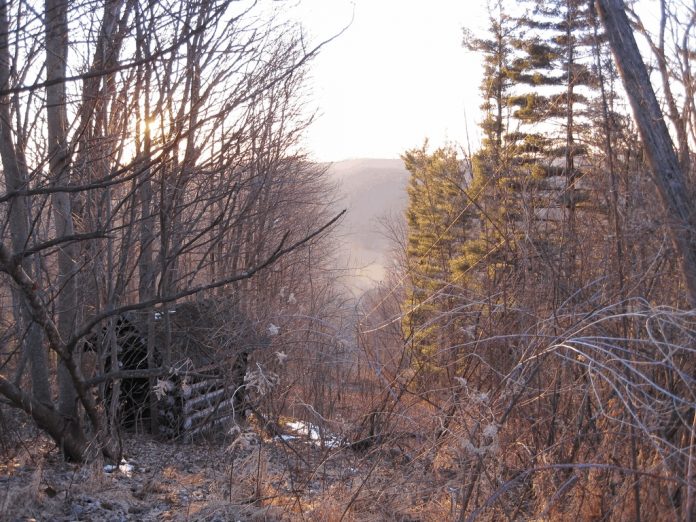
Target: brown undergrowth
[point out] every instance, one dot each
(245, 476)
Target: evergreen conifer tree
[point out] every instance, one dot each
(436, 218)
(555, 83)
(489, 247)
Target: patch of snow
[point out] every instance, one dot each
(312, 431)
(333, 442)
(124, 467)
(158, 315)
(273, 330)
(304, 427)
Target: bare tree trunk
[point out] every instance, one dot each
(56, 12)
(146, 264)
(662, 158)
(47, 419)
(16, 179)
(659, 148)
(66, 433)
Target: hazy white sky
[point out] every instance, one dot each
(397, 75)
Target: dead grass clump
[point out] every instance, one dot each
(17, 498)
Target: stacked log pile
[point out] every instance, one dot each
(207, 345)
(198, 402)
(210, 346)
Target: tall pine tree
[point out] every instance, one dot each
(490, 247)
(555, 84)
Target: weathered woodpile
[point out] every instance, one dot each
(193, 403)
(209, 346)
(205, 345)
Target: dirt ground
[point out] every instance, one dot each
(234, 477)
(156, 481)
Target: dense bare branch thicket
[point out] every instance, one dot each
(149, 153)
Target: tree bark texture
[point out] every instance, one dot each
(56, 12)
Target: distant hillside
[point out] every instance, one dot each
(371, 189)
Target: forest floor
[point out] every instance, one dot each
(245, 477)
